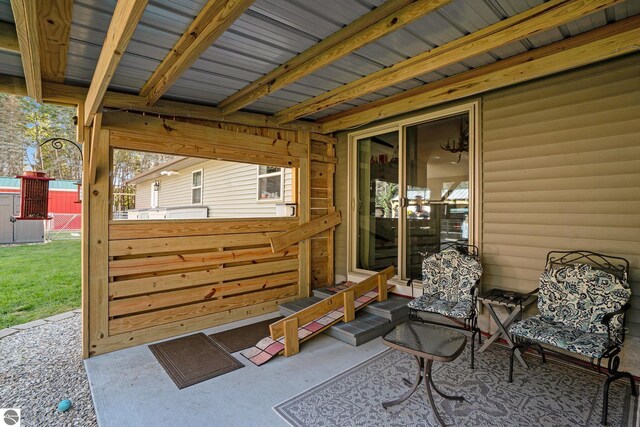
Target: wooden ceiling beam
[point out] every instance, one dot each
(214, 19)
(125, 19)
(27, 29)
(9, 38)
(390, 16)
(74, 95)
(54, 18)
(533, 21)
(607, 42)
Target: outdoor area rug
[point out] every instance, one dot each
(244, 337)
(193, 359)
(551, 394)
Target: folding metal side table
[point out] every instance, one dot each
(514, 303)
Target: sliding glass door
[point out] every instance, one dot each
(377, 201)
(437, 177)
(411, 188)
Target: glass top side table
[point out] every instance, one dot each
(427, 343)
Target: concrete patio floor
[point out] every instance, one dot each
(129, 387)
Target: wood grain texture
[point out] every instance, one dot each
(54, 17)
(156, 301)
(124, 21)
(366, 29)
(177, 327)
(184, 244)
(530, 22)
(99, 209)
(169, 282)
(291, 342)
(147, 320)
(25, 15)
(304, 231)
(222, 138)
(202, 260)
(215, 18)
(145, 229)
(603, 43)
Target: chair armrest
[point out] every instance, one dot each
(474, 288)
(607, 317)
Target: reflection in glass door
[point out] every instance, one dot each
(437, 179)
(377, 209)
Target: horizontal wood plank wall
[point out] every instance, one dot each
(561, 170)
(155, 280)
(323, 160)
(165, 278)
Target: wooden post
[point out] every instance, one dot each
(304, 214)
(382, 287)
(291, 343)
(349, 306)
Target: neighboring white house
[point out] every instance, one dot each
(198, 188)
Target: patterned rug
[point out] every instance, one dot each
(551, 394)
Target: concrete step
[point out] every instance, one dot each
(288, 308)
(394, 308)
(365, 327)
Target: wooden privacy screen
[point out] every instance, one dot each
(149, 280)
(228, 264)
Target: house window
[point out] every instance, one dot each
(270, 183)
(196, 187)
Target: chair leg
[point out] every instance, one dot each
(513, 355)
(473, 340)
(539, 349)
(605, 397)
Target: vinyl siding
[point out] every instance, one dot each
(561, 170)
(229, 190)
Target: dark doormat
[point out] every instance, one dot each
(193, 359)
(245, 336)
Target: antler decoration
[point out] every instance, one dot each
(459, 144)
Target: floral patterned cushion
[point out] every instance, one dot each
(578, 296)
(460, 309)
(557, 334)
(449, 275)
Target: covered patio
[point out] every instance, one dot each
(382, 128)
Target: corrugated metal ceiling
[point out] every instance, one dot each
(271, 32)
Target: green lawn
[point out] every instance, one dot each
(37, 281)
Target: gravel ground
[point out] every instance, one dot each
(41, 366)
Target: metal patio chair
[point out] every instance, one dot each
(583, 298)
(450, 280)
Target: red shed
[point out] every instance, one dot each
(62, 198)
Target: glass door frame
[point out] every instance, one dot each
(400, 126)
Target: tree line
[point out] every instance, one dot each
(25, 124)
